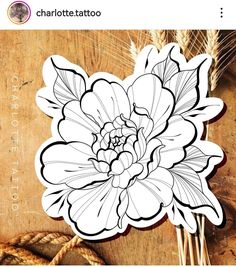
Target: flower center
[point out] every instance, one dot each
(115, 141)
(115, 149)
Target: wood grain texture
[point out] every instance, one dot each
(222, 241)
(23, 128)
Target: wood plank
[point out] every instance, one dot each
(24, 128)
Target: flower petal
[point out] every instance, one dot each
(69, 84)
(68, 163)
(189, 192)
(188, 187)
(100, 166)
(122, 208)
(105, 102)
(127, 176)
(178, 134)
(106, 155)
(47, 102)
(147, 92)
(140, 144)
(94, 210)
(196, 159)
(206, 110)
(121, 163)
(166, 68)
(148, 196)
(151, 158)
(184, 86)
(180, 215)
(76, 126)
(129, 146)
(63, 85)
(142, 119)
(146, 59)
(54, 200)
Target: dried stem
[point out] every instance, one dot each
(190, 244)
(185, 246)
(180, 246)
(202, 256)
(196, 237)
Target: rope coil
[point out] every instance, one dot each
(15, 251)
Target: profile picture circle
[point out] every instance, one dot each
(19, 12)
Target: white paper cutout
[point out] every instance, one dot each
(128, 152)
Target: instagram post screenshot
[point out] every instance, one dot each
(117, 132)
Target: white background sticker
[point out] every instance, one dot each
(128, 152)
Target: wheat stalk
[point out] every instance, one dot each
(227, 52)
(212, 48)
(158, 38)
(133, 51)
(183, 38)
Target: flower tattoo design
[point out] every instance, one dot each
(127, 152)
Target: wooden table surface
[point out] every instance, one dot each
(23, 128)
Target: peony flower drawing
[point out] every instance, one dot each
(128, 152)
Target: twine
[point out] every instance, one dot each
(15, 251)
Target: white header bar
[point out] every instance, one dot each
(121, 14)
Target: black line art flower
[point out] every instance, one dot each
(128, 152)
